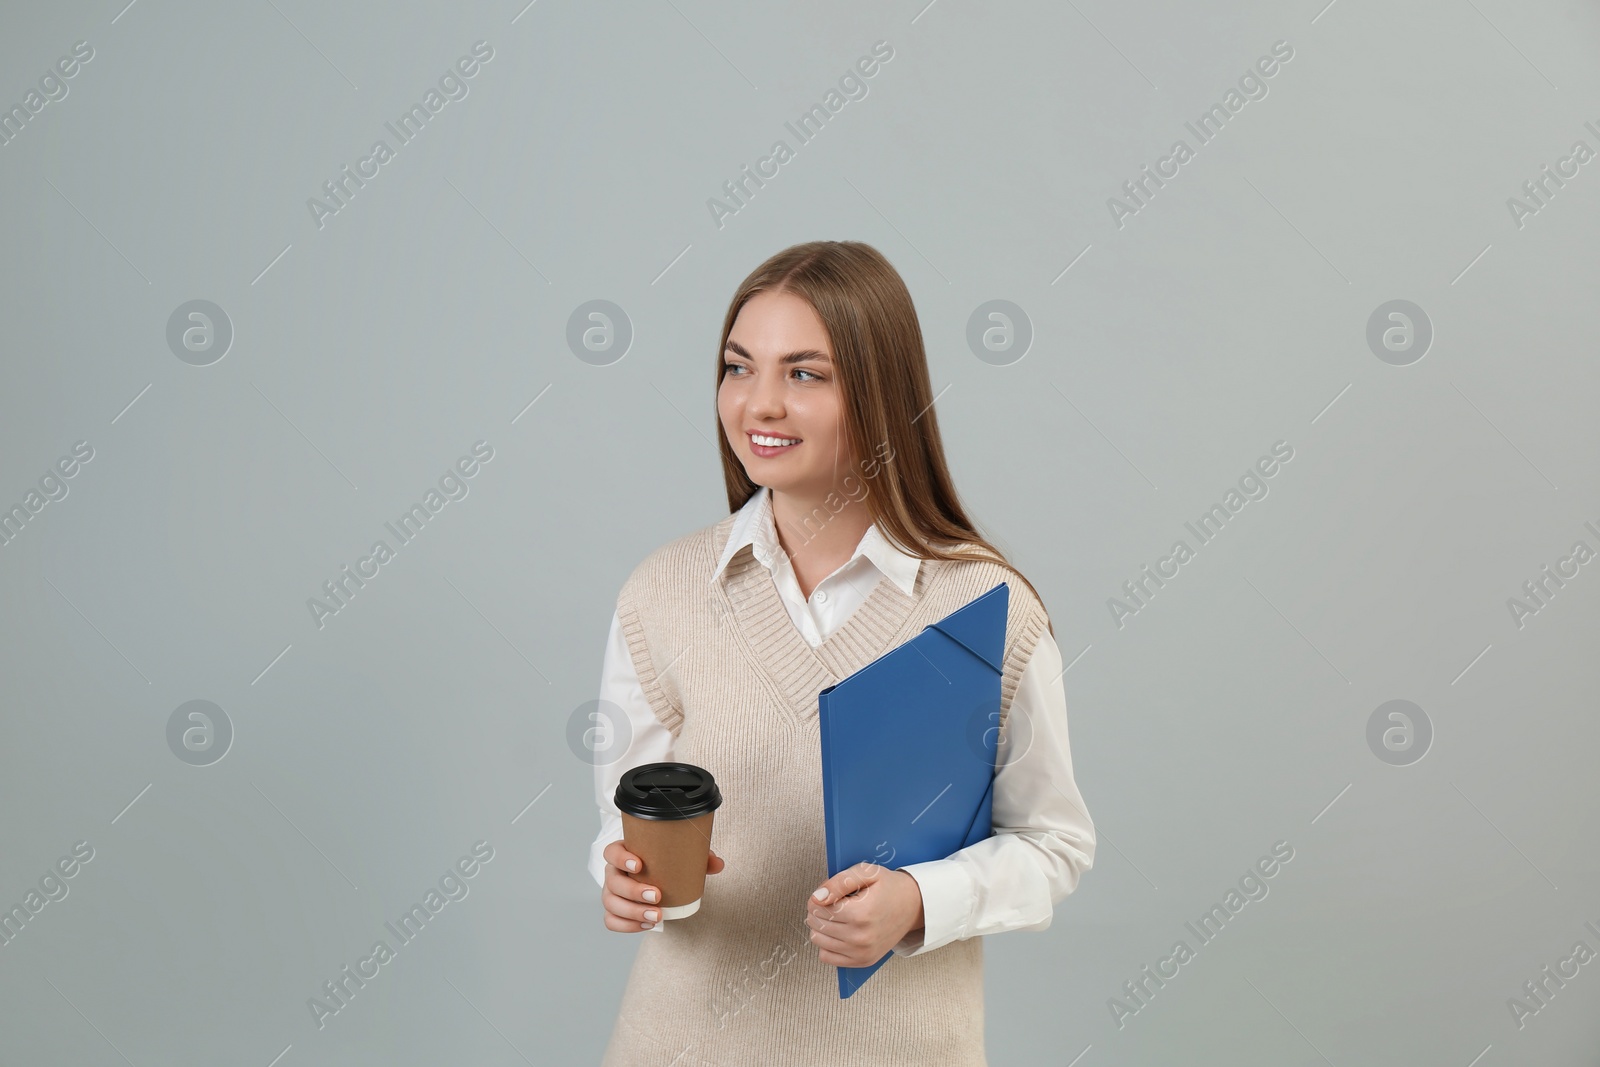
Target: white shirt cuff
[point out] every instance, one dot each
(947, 897)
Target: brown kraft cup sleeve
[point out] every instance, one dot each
(674, 853)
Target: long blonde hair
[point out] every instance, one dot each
(882, 371)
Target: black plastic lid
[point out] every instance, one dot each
(667, 791)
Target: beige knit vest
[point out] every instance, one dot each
(739, 984)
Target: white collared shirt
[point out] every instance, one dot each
(1044, 839)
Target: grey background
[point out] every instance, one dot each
(368, 355)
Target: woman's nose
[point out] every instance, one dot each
(767, 398)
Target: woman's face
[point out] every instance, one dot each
(778, 381)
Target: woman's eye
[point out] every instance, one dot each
(731, 368)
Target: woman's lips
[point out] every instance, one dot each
(765, 451)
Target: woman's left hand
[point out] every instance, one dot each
(865, 912)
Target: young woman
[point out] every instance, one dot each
(845, 538)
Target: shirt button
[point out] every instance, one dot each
(822, 596)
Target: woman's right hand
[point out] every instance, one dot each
(631, 903)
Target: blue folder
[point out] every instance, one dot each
(908, 748)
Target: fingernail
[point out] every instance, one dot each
(646, 926)
(632, 865)
(650, 895)
(821, 893)
(652, 916)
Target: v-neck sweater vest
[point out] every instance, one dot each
(739, 982)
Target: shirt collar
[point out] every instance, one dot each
(753, 525)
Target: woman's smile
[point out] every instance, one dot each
(765, 445)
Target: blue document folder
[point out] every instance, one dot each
(908, 748)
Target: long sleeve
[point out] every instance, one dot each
(636, 736)
(1043, 840)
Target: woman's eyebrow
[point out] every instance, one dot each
(793, 357)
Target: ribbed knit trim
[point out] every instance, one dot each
(748, 601)
(696, 554)
(799, 670)
(1024, 627)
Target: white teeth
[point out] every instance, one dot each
(773, 442)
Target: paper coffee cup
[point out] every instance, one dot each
(667, 811)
